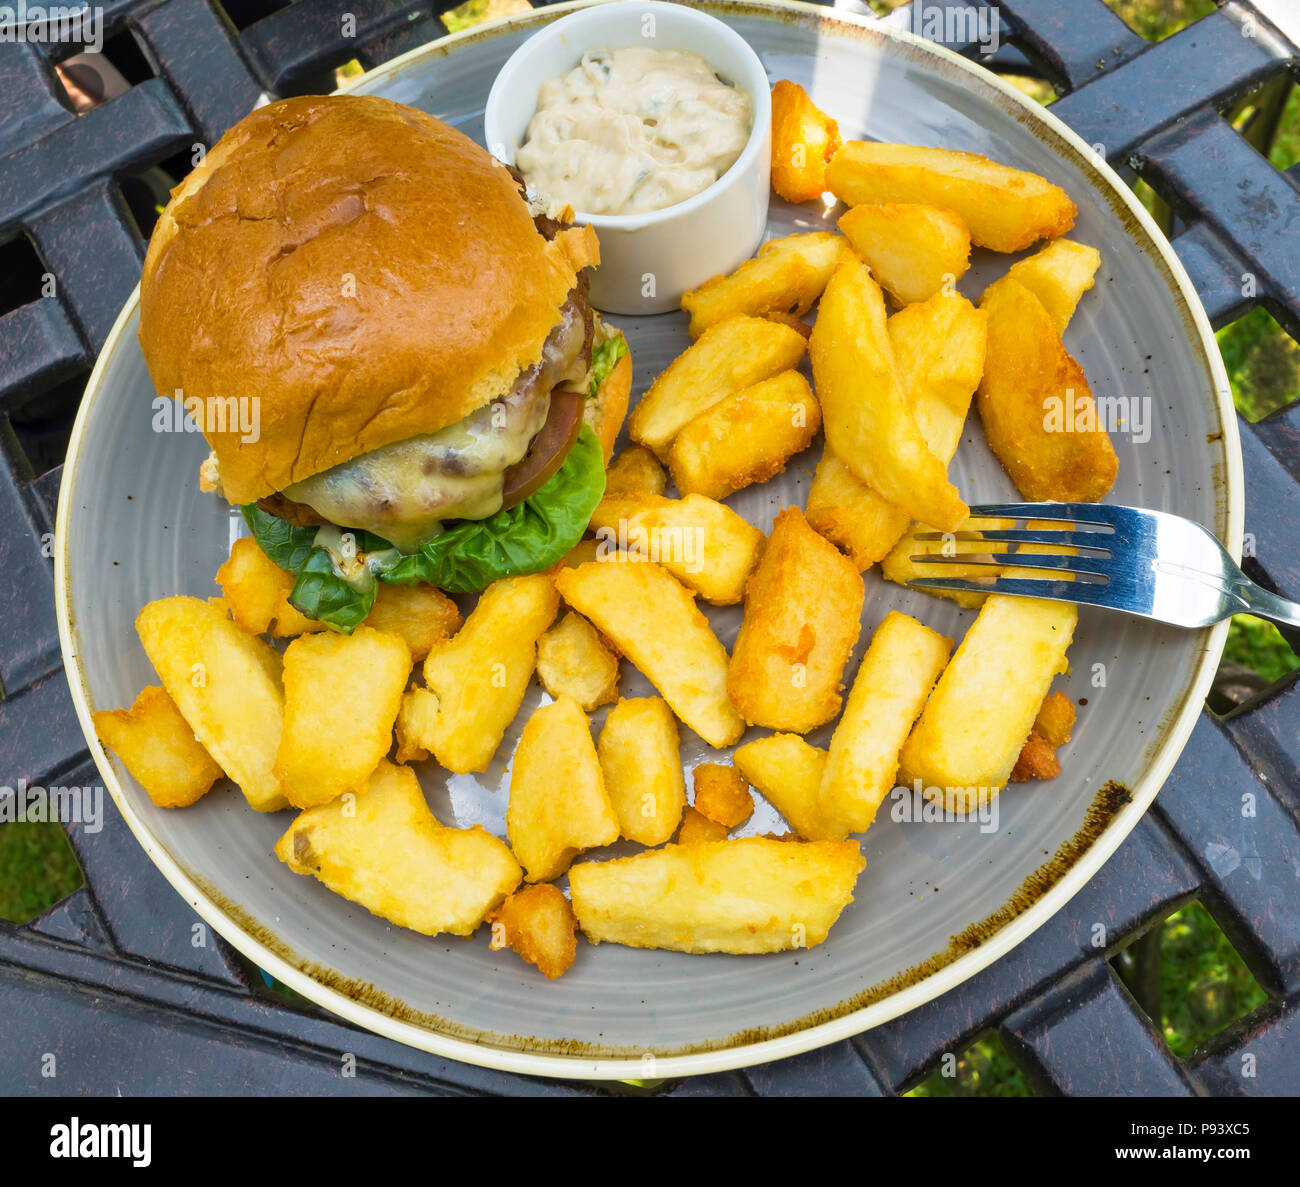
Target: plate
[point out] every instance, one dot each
(937, 902)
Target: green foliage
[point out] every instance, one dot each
(1204, 984)
(37, 869)
(1263, 364)
(983, 1069)
(1259, 646)
(1155, 20)
(1286, 148)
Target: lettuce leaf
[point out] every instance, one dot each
(604, 355)
(318, 591)
(466, 558)
(526, 538)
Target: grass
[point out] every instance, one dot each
(1263, 364)
(475, 12)
(1204, 984)
(1259, 646)
(37, 869)
(1154, 20)
(983, 1069)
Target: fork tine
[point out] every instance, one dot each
(1078, 513)
(1062, 539)
(1023, 560)
(1090, 593)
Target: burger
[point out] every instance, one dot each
(408, 332)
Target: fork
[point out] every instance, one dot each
(1148, 563)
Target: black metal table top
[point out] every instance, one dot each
(133, 995)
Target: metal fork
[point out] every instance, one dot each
(1148, 563)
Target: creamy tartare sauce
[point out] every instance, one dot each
(633, 130)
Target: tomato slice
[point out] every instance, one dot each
(549, 448)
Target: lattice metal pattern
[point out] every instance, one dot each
(124, 995)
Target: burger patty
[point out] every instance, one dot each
(404, 491)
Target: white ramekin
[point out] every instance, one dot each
(649, 260)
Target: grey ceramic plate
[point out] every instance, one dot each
(133, 527)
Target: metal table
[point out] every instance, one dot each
(133, 995)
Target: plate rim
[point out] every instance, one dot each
(726, 1056)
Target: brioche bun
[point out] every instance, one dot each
(363, 271)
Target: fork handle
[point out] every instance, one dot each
(1265, 604)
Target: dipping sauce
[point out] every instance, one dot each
(633, 130)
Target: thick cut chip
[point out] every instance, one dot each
(558, 806)
(804, 139)
(1055, 719)
(904, 563)
(746, 438)
(538, 923)
(785, 278)
(226, 684)
(913, 250)
(1051, 730)
(848, 512)
(981, 711)
(864, 410)
(788, 772)
(341, 698)
(1059, 275)
(734, 354)
(581, 553)
(383, 848)
(803, 610)
(159, 748)
(257, 591)
(417, 723)
(1005, 209)
(641, 761)
(573, 659)
(900, 567)
(893, 681)
(751, 894)
(939, 348)
(698, 828)
(635, 469)
(480, 675)
(653, 620)
(425, 617)
(722, 794)
(1037, 760)
(939, 351)
(1039, 416)
(707, 546)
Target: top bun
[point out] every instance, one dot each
(361, 270)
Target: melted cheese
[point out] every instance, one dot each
(404, 491)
